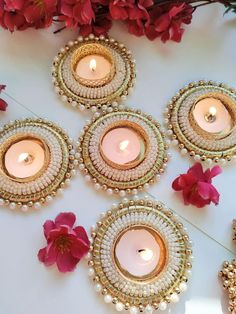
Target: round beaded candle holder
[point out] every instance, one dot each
(93, 72)
(201, 121)
(140, 256)
(36, 162)
(122, 152)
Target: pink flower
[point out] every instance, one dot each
(66, 245)
(76, 12)
(196, 186)
(167, 21)
(3, 104)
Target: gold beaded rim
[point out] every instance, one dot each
(65, 168)
(111, 291)
(177, 130)
(78, 100)
(90, 170)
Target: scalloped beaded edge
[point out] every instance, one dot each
(71, 171)
(117, 191)
(86, 106)
(173, 137)
(99, 288)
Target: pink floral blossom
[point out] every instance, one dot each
(196, 186)
(66, 245)
(3, 104)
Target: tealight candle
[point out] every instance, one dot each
(140, 252)
(25, 158)
(212, 116)
(93, 65)
(122, 146)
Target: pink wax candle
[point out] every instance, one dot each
(212, 116)
(121, 145)
(24, 158)
(138, 252)
(93, 67)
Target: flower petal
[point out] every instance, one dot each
(197, 171)
(208, 192)
(2, 87)
(81, 234)
(79, 249)
(3, 105)
(48, 255)
(67, 219)
(47, 227)
(66, 262)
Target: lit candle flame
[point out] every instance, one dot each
(146, 254)
(93, 65)
(123, 145)
(212, 111)
(25, 157)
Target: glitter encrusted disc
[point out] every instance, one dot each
(128, 178)
(58, 163)
(162, 286)
(203, 144)
(84, 96)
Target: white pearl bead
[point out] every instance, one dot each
(12, 205)
(174, 142)
(149, 309)
(97, 287)
(109, 191)
(24, 208)
(233, 158)
(119, 307)
(183, 151)
(88, 256)
(73, 103)
(188, 273)
(64, 98)
(197, 157)
(183, 286)
(134, 310)
(163, 306)
(146, 186)
(1, 202)
(82, 107)
(91, 272)
(209, 162)
(174, 298)
(114, 206)
(48, 199)
(97, 186)
(37, 205)
(108, 298)
(122, 193)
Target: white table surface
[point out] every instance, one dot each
(207, 51)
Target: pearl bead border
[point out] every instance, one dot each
(65, 167)
(174, 125)
(100, 180)
(102, 284)
(79, 101)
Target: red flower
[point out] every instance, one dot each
(119, 9)
(196, 186)
(76, 12)
(66, 245)
(39, 13)
(3, 104)
(100, 26)
(139, 17)
(166, 22)
(20, 14)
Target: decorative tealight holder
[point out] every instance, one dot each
(227, 274)
(36, 162)
(140, 257)
(201, 121)
(93, 72)
(122, 152)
